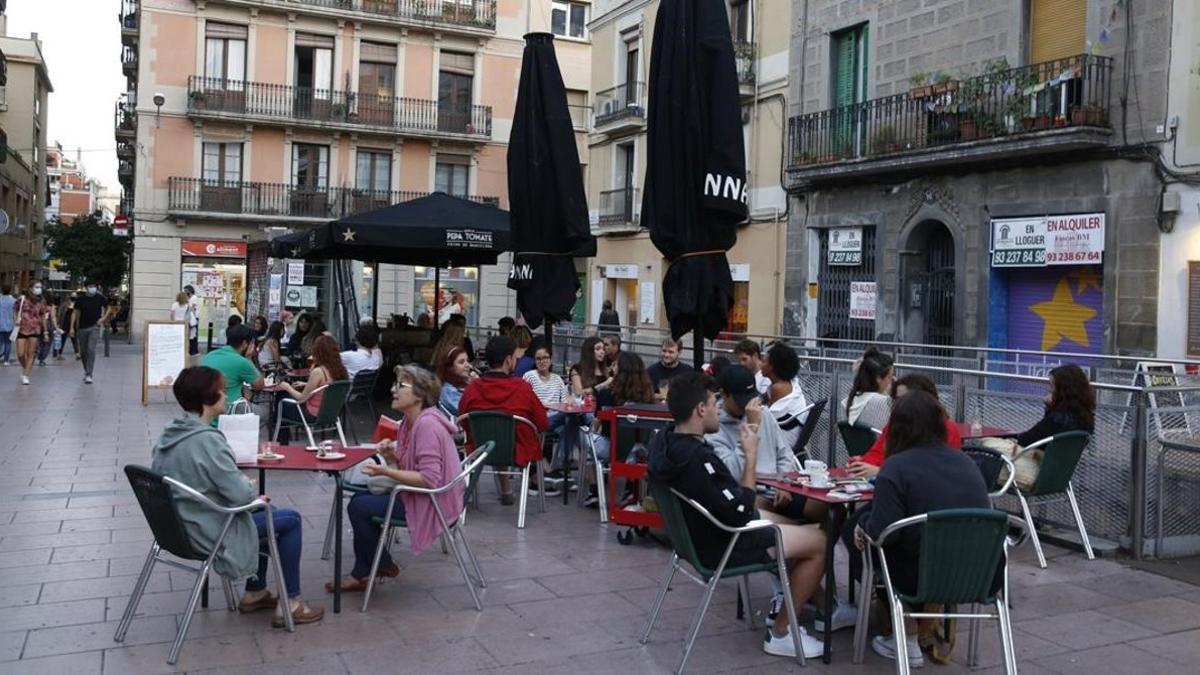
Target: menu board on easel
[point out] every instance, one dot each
(164, 354)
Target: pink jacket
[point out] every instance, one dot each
(429, 450)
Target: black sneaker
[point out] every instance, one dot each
(551, 490)
(592, 502)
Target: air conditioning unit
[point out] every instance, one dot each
(610, 106)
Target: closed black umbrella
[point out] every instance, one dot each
(695, 192)
(548, 206)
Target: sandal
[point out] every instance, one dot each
(301, 615)
(360, 585)
(267, 601)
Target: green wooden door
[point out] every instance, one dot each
(849, 81)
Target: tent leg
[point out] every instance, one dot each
(698, 346)
(437, 293)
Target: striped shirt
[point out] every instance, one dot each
(549, 391)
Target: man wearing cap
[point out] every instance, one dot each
(90, 315)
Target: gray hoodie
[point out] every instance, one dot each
(774, 454)
(198, 456)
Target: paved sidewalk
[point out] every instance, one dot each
(563, 596)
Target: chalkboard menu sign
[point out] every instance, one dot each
(1193, 304)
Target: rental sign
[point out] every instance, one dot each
(1075, 239)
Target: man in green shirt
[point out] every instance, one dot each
(234, 363)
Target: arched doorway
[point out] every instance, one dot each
(929, 284)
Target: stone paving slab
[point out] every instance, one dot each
(563, 595)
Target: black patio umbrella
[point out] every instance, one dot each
(435, 231)
(695, 191)
(549, 216)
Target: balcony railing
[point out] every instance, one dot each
(302, 104)
(125, 117)
(621, 102)
(580, 116)
(198, 195)
(128, 17)
(1004, 103)
(620, 206)
(126, 149)
(743, 56)
(468, 13)
(129, 58)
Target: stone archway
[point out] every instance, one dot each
(928, 284)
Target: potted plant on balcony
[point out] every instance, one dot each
(1087, 116)
(337, 111)
(196, 98)
(943, 83)
(919, 86)
(884, 140)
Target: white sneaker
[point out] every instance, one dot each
(24, 379)
(844, 616)
(87, 379)
(783, 646)
(886, 647)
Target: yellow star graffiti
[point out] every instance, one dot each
(1085, 278)
(1063, 318)
(348, 235)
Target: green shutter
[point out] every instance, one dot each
(850, 78)
(845, 53)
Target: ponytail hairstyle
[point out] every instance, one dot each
(872, 367)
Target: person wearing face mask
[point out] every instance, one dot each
(33, 325)
(233, 363)
(90, 315)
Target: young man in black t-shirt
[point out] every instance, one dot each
(668, 365)
(90, 315)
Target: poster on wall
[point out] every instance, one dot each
(295, 273)
(845, 246)
(1075, 239)
(304, 297)
(648, 309)
(862, 300)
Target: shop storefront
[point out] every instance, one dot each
(1047, 283)
(217, 270)
(846, 283)
(458, 289)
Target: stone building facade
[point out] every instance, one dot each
(991, 157)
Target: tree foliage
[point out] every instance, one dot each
(89, 250)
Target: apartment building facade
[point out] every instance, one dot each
(24, 104)
(627, 269)
(975, 172)
(71, 193)
(248, 117)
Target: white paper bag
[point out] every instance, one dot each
(241, 431)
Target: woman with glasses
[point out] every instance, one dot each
(422, 455)
(551, 390)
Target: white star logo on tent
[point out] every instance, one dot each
(348, 235)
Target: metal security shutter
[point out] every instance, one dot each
(1058, 308)
(311, 40)
(833, 286)
(378, 53)
(225, 30)
(1056, 29)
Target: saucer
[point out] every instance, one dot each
(335, 455)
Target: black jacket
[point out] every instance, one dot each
(692, 467)
(1054, 422)
(660, 374)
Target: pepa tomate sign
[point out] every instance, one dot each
(1076, 239)
(202, 248)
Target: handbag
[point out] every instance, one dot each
(241, 432)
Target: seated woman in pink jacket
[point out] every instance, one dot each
(423, 455)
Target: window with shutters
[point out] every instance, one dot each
(849, 78)
(578, 106)
(1056, 29)
(225, 55)
(451, 175)
(376, 83)
(456, 80)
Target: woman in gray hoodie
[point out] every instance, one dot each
(195, 453)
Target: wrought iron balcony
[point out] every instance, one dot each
(125, 115)
(472, 15)
(198, 196)
(743, 55)
(128, 19)
(126, 149)
(1008, 112)
(129, 60)
(621, 106)
(620, 207)
(303, 106)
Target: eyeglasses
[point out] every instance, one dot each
(401, 385)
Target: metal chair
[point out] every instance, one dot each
(992, 465)
(328, 415)
(1060, 456)
(156, 494)
(362, 386)
(858, 439)
(349, 489)
(961, 551)
(501, 429)
(814, 411)
(670, 504)
(472, 466)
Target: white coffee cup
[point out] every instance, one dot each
(819, 479)
(813, 466)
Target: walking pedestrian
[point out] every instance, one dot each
(8, 310)
(46, 343)
(91, 313)
(66, 309)
(33, 324)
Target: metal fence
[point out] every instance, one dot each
(620, 102)
(1117, 480)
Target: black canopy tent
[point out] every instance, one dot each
(545, 188)
(436, 231)
(695, 190)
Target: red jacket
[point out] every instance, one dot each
(875, 455)
(501, 393)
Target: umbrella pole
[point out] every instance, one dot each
(437, 292)
(698, 346)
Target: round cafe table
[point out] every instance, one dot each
(574, 422)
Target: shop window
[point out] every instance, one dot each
(458, 289)
(739, 314)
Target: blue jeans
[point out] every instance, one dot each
(5, 346)
(361, 509)
(287, 536)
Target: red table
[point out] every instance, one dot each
(834, 520)
(575, 411)
(964, 430)
(296, 458)
(648, 417)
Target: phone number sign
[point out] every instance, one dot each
(1076, 239)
